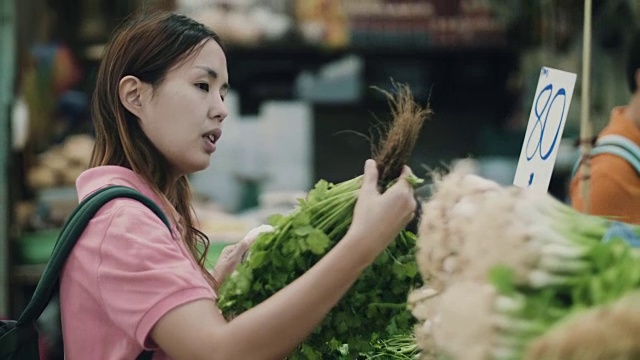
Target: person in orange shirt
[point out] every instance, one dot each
(615, 161)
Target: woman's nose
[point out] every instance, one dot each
(218, 110)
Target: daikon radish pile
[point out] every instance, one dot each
(504, 265)
(610, 331)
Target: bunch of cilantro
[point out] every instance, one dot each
(373, 310)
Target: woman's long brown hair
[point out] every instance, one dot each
(147, 47)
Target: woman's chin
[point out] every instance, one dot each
(201, 166)
(193, 167)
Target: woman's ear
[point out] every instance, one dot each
(130, 92)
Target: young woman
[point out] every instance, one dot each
(130, 284)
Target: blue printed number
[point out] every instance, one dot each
(535, 142)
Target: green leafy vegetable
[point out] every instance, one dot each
(374, 306)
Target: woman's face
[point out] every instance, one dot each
(183, 115)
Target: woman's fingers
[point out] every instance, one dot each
(406, 172)
(404, 193)
(370, 178)
(232, 255)
(403, 185)
(252, 235)
(234, 251)
(229, 259)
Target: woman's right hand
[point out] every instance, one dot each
(378, 218)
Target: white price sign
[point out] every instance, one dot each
(544, 130)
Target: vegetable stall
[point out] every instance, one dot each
(493, 272)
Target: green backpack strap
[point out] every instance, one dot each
(19, 343)
(69, 235)
(71, 231)
(615, 145)
(145, 355)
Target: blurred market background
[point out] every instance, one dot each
(302, 73)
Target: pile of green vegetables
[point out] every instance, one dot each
(374, 311)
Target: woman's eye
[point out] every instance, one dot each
(203, 86)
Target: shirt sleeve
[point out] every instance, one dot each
(143, 272)
(611, 189)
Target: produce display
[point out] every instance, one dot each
(512, 274)
(494, 273)
(372, 317)
(61, 164)
(607, 331)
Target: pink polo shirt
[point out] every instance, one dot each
(123, 275)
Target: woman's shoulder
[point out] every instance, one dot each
(129, 214)
(124, 209)
(101, 176)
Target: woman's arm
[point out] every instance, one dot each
(274, 328)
